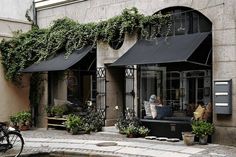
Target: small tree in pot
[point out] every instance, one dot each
(202, 129)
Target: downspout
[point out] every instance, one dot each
(35, 23)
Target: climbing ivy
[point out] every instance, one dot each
(66, 35)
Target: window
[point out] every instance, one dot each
(72, 86)
(182, 21)
(151, 82)
(173, 90)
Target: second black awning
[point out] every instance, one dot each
(172, 49)
(59, 62)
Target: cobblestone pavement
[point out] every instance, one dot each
(42, 140)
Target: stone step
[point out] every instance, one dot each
(111, 129)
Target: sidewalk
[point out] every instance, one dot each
(97, 144)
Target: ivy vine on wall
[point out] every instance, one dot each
(66, 35)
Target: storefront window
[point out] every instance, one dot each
(176, 89)
(151, 83)
(173, 90)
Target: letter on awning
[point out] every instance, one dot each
(59, 62)
(169, 49)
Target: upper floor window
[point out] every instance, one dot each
(182, 21)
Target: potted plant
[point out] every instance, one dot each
(24, 118)
(188, 138)
(49, 111)
(202, 129)
(143, 131)
(131, 131)
(74, 124)
(14, 121)
(57, 111)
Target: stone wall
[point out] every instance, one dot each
(114, 76)
(12, 18)
(220, 12)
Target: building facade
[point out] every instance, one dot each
(124, 90)
(12, 18)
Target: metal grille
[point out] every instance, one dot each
(101, 72)
(129, 87)
(129, 72)
(101, 91)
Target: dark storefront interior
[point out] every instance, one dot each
(175, 68)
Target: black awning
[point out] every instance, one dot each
(59, 62)
(163, 50)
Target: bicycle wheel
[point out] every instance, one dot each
(17, 142)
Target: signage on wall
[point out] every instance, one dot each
(223, 96)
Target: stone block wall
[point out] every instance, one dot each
(12, 18)
(220, 12)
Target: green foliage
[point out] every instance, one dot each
(74, 122)
(24, 117)
(66, 35)
(21, 118)
(59, 110)
(136, 131)
(131, 126)
(36, 90)
(131, 130)
(202, 128)
(14, 120)
(21, 51)
(94, 119)
(143, 131)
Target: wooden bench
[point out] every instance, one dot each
(55, 122)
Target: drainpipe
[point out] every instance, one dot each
(34, 14)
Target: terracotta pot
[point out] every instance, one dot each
(203, 140)
(131, 136)
(24, 127)
(188, 138)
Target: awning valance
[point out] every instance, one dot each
(166, 50)
(59, 62)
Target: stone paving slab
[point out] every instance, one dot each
(54, 141)
(128, 148)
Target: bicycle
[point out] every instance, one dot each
(11, 141)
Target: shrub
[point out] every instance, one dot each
(74, 123)
(58, 110)
(202, 128)
(131, 130)
(143, 131)
(131, 126)
(14, 120)
(21, 118)
(95, 120)
(24, 117)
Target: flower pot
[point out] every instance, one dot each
(188, 138)
(24, 127)
(131, 135)
(74, 131)
(203, 140)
